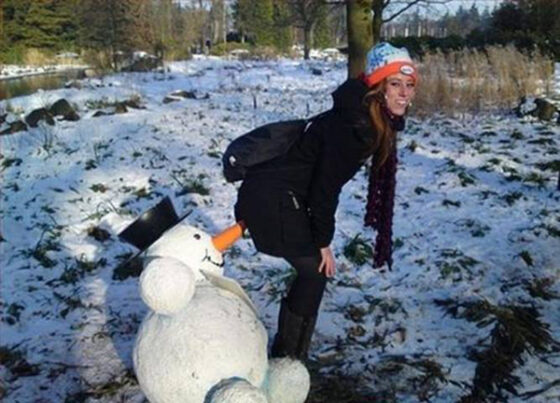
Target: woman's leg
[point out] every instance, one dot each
(306, 291)
(298, 311)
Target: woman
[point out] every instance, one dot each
(289, 203)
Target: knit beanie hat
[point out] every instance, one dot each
(384, 60)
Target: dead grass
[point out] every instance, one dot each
(100, 61)
(41, 58)
(471, 81)
(36, 57)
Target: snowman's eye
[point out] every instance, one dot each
(196, 236)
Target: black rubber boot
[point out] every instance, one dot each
(294, 334)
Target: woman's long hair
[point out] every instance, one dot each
(385, 135)
(382, 177)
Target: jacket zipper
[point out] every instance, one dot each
(294, 200)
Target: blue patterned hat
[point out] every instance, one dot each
(384, 60)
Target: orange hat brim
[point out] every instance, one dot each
(392, 68)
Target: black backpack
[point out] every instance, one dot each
(262, 144)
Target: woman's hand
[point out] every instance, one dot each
(327, 262)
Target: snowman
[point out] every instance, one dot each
(202, 340)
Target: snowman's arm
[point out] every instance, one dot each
(230, 285)
(166, 284)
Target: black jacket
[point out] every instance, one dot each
(289, 203)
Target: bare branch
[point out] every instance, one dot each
(408, 5)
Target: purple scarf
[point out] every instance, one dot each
(381, 200)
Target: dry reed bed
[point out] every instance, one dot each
(472, 81)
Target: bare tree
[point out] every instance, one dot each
(218, 16)
(306, 14)
(382, 14)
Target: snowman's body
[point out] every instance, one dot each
(199, 334)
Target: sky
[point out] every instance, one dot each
(481, 4)
(453, 5)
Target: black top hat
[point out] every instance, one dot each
(147, 228)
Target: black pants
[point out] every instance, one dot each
(306, 291)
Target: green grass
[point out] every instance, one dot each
(358, 251)
(128, 268)
(517, 331)
(455, 264)
(527, 258)
(541, 288)
(15, 361)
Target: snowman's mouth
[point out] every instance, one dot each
(209, 259)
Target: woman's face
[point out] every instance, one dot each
(399, 91)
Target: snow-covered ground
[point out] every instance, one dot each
(477, 220)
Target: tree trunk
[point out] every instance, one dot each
(359, 25)
(377, 8)
(307, 41)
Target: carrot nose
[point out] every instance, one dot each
(226, 238)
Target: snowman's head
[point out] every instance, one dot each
(190, 246)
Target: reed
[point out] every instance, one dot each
(472, 81)
(36, 57)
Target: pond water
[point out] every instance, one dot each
(16, 87)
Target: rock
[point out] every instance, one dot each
(17, 126)
(121, 108)
(168, 99)
(541, 108)
(60, 108)
(3, 118)
(14, 127)
(73, 84)
(102, 113)
(133, 103)
(143, 64)
(316, 72)
(33, 118)
(99, 234)
(524, 107)
(64, 109)
(90, 73)
(184, 94)
(545, 109)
